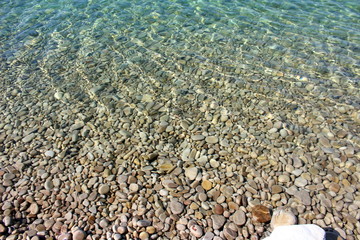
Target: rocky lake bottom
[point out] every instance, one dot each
(174, 132)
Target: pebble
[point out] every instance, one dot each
(143, 235)
(49, 184)
(211, 139)
(143, 223)
(230, 234)
(208, 236)
(206, 184)
(304, 197)
(79, 235)
(104, 189)
(284, 179)
(300, 182)
(218, 221)
(34, 208)
(260, 214)
(50, 154)
(196, 231)
(191, 173)
(29, 138)
(239, 217)
(176, 207)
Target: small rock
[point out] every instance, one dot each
(211, 139)
(79, 235)
(121, 230)
(34, 208)
(143, 235)
(197, 137)
(104, 189)
(48, 184)
(284, 178)
(300, 182)
(7, 221)
(334, 187)
(2, 228)
(196, 231)
(206, 184)
(303, 196)
(218, 209)
(104, 223)
(218, 221)
(208, 236)
(260, 214)
(28, 138)
(143, 223)
(191, 173)
(239, 217)
(50, 154)
(276, 189)
(230, 234)
(58, 95)
(133, 187)
(64, 236)
(176, 207)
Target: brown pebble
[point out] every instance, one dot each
(218, 209)
(206, 184)
(260, 214)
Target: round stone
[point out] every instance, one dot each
(143, 235)
(206, 184)
(79, 235)
(239, 217)
(176, 207)
(104, 189)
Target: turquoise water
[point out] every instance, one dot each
(78, 47)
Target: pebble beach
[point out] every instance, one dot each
(176, 127)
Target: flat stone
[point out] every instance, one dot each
(284, 178)
(218, 221)
(208, 236)
(196, 231)
(49, 154)
(276, 189)
(197, 137)
(133, 187)
(176, 207)
(260, 214)
(143, 223)
(191, 173)
(303, 196)
(104, 189)
(239, 217)
(206, 184)
(334, 187)
(300, 182)
(29, 138)
(230, 234)
(211, 139)
(34, 208)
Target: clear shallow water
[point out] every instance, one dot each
(158, 47)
